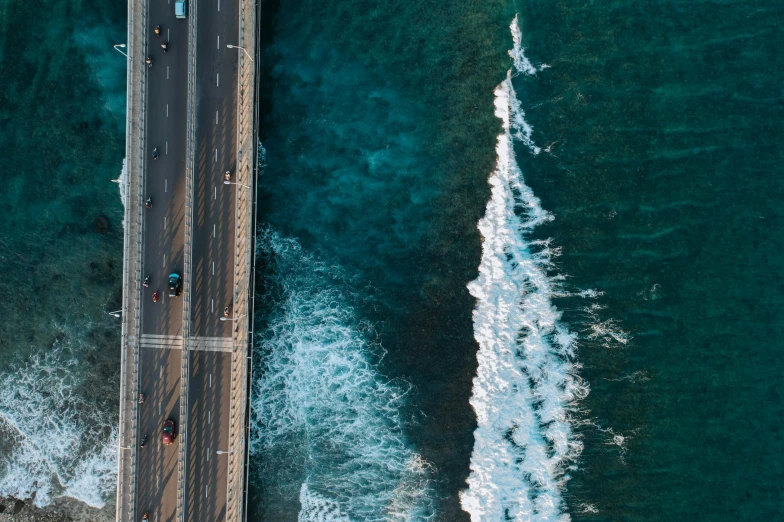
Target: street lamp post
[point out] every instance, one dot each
(232, 319)
(219, 452)
(116, 313)
(238, 47)
(119, 51)
(227, 182)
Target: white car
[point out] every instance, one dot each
(180, 6)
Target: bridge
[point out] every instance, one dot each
(191, 148)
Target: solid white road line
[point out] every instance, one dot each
(167, 147)
(168, 34)
(166, 186)
(218, 42)
(217, 76)
(218, 5)
(164, 259)
(213, 230)
(216, 193)
(167, 72)
(206, 489)
(210, 380)
(161, 372)
(167, 110)
(216, 117)
(213, 268)
(212, 307)
(164, 222)
(209, 416)
(216, 155)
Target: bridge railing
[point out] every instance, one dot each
(132, 260)
(243, 255)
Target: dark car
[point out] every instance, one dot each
(168, 434)
(175, 285)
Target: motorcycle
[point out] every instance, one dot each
(141, 398)
(157, 30)
(155, 297)
(165, 46)
(143, 442)
(155, 153)
(146, 282)
(148, 203)
(148, 61)
(146, 517)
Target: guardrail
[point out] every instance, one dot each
(190, 156)
(132, 260)
(243, 255)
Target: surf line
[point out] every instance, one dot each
(526, 383)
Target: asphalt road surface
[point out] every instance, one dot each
(213, 259)
(164, 179)
(208, 403)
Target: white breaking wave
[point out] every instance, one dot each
(526, 383)
(326, 423)
(50, 435)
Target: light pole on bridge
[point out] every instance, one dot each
(238, 47)
(232, 318)
(119, 51)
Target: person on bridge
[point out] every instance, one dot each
(145, 517)
(227, 176)
(165, 46)
(226, 312)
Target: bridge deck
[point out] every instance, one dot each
(196, 105)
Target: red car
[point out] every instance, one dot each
(169, 433)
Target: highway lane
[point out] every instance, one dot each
(213, 259)
(209, 388)
(157, 475)
(166, 124)
(216, 151)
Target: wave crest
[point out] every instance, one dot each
(325, 420)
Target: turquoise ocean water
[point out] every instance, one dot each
(606, 348)
(62, 125)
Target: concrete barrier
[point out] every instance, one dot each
(132, 260)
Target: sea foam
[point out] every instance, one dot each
(326, 423)
(526, 382)
(54, 443)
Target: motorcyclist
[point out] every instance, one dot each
(155, 153)
(148, 61)
(165, 46)
(145, 517)
(146, 282)
(226, 312)
(157, 30)
(155, 297)
(141, 398)
(148, 203)
(143, 442)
